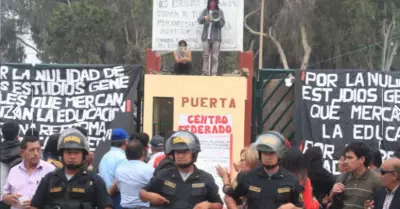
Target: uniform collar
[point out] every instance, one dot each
(278, 175)
(194, 176)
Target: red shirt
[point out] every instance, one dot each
(158, 160)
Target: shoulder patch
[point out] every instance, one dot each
(56, 189)
(170, 184)
(284, 190)
(254, 189)
(198, 185)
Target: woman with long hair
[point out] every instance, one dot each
(321, 179)
(295, 162)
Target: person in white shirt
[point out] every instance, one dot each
(157, 149)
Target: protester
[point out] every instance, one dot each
(9, 153)
(132, 175)
(295, 162)
(358, 183)
(388, 196)
(322, 180)
(112, 159)
(27, 173)
(376, 161)
(157, 148)
(183, 59)
(50, 152)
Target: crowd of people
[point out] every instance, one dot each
(140, 173)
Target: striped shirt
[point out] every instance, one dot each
(359, 189)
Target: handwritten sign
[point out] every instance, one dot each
(175, 20)
(215, 135)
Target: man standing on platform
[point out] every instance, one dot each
(212, 19)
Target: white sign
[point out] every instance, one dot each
(175, 20)
(215, 135)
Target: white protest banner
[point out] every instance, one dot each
(175, 20)
(215, 135)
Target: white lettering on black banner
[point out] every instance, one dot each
(336, 107)
(52, 100)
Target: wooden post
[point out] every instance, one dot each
(261, 45)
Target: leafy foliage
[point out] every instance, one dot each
(119, 31)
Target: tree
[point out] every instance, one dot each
(11, 48)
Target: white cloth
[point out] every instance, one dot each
(4, 169)
(153, 158)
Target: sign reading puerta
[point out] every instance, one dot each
(51, 98)
(337, 107)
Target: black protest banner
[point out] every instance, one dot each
(337, 107)
(51, 98)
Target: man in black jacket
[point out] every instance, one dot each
(388, 196)
(9, 153)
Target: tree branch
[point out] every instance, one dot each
(392, 54)
(270, 36)
(278, 46)
(28, 45)
(385, 44)
(306, 47)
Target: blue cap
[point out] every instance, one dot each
(119, 134)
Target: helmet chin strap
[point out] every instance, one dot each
(270, 167)
(73, 166)
(186, 165)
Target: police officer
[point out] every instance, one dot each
(72, 187)
(50, 152)
(167, 162)
(269, 186)
(186, 186)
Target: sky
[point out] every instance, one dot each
(30, 53)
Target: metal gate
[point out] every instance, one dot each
(273, 103)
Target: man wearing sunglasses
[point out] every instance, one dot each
(388, 196)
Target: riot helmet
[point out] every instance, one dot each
(183, 140)
(271, 142)
(73, 139)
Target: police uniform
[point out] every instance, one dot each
(184, 194)
(55, 162)
(198, 187)
(263, 190)
(84, 190)
(165, 164)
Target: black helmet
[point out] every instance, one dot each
(183, 140)
(72, 139)
(271, 141)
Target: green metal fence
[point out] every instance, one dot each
(273, 103)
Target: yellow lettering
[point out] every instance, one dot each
(72, 139)
(255, 189)
(177, 140)
(56, 189)
(78, 190)
(170, 184)
(284, 190)
(199, 185)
